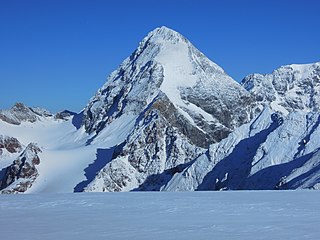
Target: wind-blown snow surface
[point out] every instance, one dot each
(293, 215)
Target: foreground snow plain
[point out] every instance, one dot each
(162, 215)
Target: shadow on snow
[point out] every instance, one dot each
(232, 171)
(77, 120)
(270, 177)
(104, 156)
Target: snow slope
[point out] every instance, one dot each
(60, 149)
(65, 155)
(246, 215)
(279, 149)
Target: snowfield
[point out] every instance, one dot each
(165, 215)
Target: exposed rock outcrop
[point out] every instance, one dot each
(19, 176)
(9, 144)
(64, 115)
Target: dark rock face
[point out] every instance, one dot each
(148, 158)
(231, 112)
(177, 120)
(12, 145)
(64, 115)
(19, 176)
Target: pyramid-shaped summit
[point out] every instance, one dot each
(164, 34)
(167, 67)
(177, 102)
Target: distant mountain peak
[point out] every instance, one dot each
(301, 66)
(19, 106)
(163, 30)
(21, 113)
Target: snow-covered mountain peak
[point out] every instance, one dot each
(302, 67)
(171, 102)
(164, 34)
(300, 72)
(163, 44)
(166, 65)
(21, 113)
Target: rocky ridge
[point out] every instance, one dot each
(293, 87)
(20, 113)
(9, 145)
(277, 150)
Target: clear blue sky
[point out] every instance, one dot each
(57, 53)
